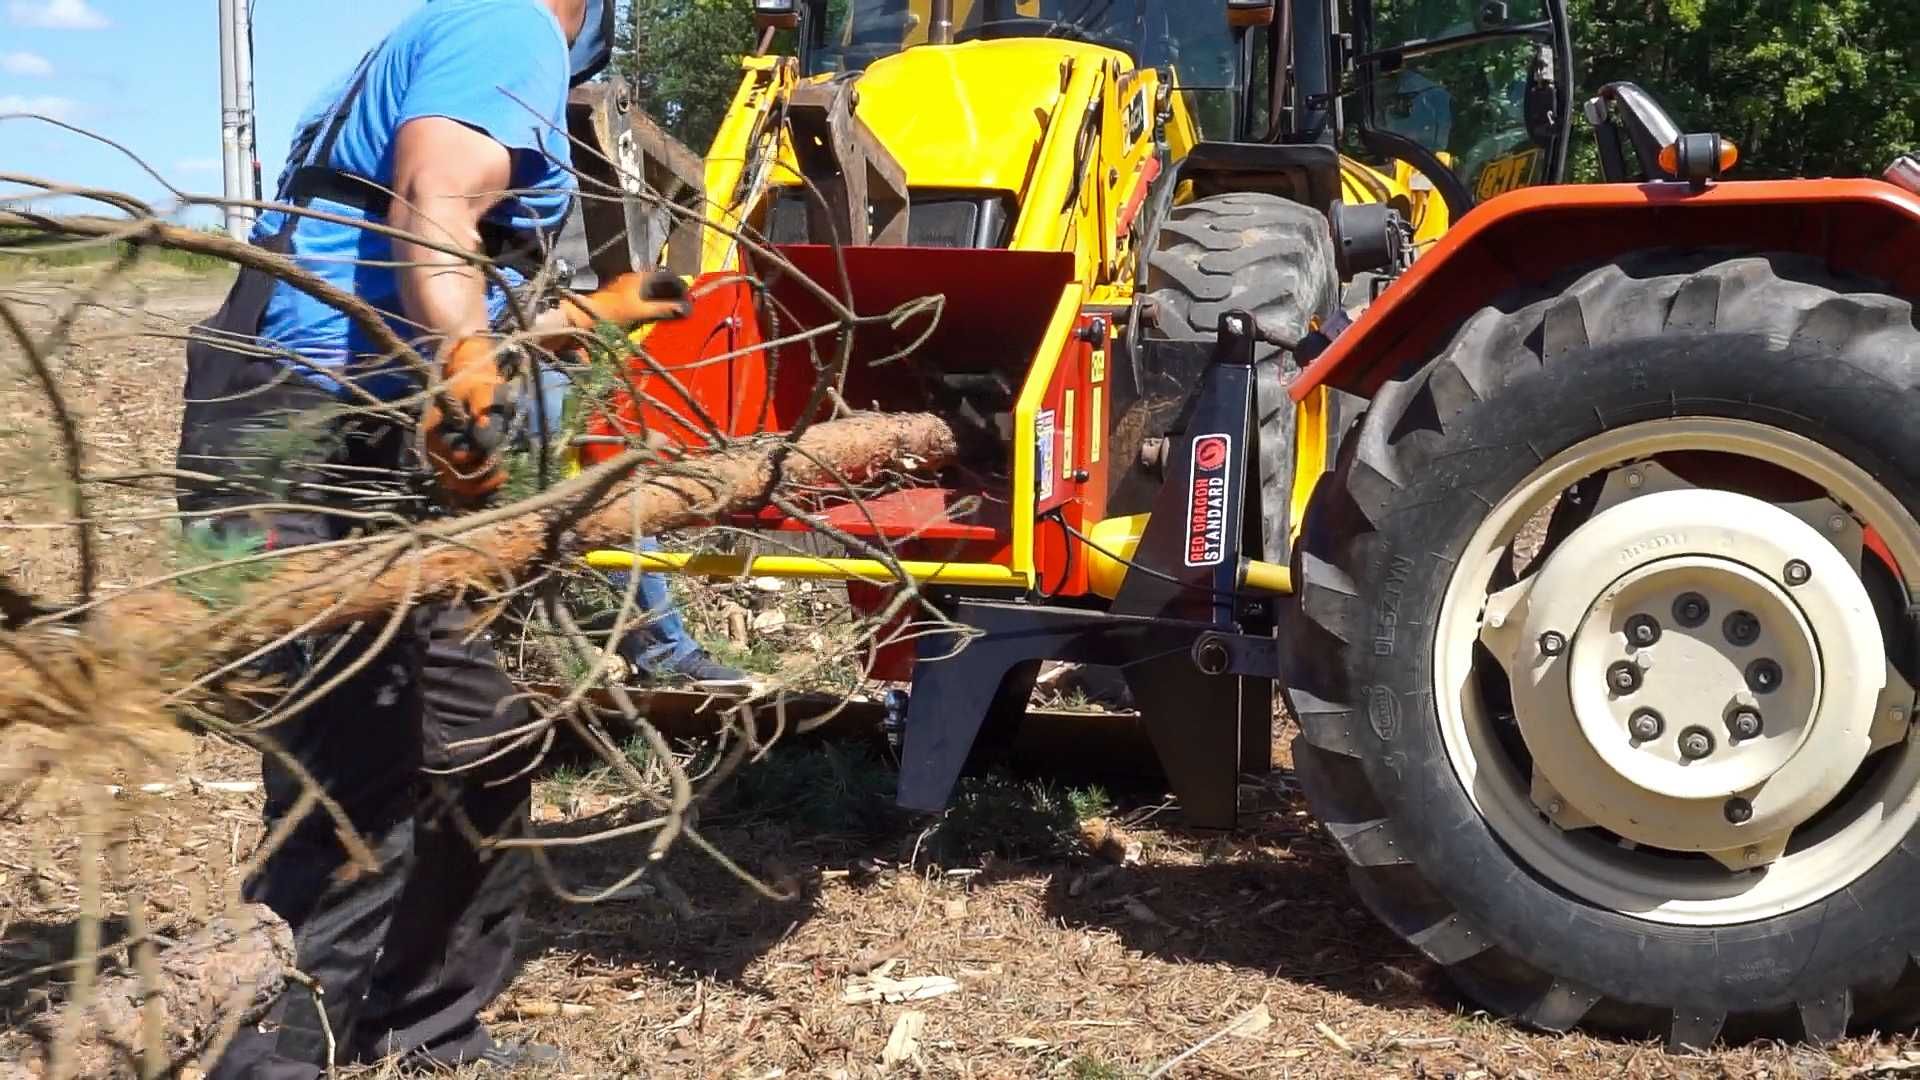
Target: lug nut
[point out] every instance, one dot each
(1764, 676)
(1696, 743)
(1553, 643)
(1742, 628)
(1645, 725)
(1623, 677)
(1744, 723)
(1691, 610)
(1643, 630)
(1739, 811)
(1797, 572)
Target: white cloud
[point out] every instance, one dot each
(29, 65)
(197, 165)
(59, 108)
(56, 15)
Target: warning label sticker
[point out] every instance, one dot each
(1043, 428)
(1207, 504)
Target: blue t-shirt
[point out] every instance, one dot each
(498, 66)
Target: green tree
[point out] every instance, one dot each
(1805, 87)
(683, 57)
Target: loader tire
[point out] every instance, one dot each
(1694, 414)
(1262, 254)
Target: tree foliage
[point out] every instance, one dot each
(683, 57)
(1806, 87)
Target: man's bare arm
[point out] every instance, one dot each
(446, 176)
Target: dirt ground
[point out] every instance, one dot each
(1033, 954)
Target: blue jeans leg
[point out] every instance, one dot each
(662, 642)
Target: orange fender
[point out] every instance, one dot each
(1865, 227)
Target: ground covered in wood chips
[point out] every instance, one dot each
(1042, 930)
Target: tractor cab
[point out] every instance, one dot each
(1476, 95)
(1200, 50)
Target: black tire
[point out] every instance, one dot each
(1777, 339)
(1266, 255)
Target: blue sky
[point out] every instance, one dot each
(147, 73)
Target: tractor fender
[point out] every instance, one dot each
(1528, 237)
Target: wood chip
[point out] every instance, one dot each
(1250, 1024)
(547, 1010)
(880, 987)
(1333, 1037)
(1140, 912)
(955, 910)
(1110, 842)
(903, 1042)
(1405, 1042)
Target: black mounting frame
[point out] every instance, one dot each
(1200, 657)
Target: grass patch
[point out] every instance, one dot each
(1086, 1067)
(845, 788)
(23, 250)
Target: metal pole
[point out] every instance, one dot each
(941, 30)
(243, 82)
(232, 162)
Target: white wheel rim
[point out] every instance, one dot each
(1789, 773)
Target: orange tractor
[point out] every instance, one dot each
(1580, 524)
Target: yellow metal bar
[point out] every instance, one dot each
(1266, 576)
(1026, 412)
(1311, 439)
(806, 566)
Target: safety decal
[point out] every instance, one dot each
(1207, 504)
(1043, 454)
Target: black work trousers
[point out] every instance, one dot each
(409, 745)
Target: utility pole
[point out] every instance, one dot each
(239, 170)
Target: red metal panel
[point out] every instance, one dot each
(922, 310)
(929, 513)
(1861, 226)
(699, 374)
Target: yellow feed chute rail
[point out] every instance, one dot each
(807, 566)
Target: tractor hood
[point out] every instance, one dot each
(972, 115)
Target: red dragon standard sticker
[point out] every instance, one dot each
(1207, 496)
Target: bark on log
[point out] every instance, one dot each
(116, 674)
(238, 961)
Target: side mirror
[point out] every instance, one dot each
(775, 15)
(1641, 122)
(1242, 14)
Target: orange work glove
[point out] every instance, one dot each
(466, 422)
(627, 301)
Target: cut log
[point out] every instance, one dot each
(236, 964)
(118, 675)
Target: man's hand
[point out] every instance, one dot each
(628, 301)
(466, 422)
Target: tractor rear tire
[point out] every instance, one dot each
(1258, 253)
(1422, 750)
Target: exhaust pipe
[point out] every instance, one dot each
(941, 30)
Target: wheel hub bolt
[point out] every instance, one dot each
(1745, 723)
(1742, 628)
(1764, 676)
(1797, 573)
(1645, 725)
(1553, 643)
(1623, 677)
(1691, 609)
(1643, 630)
(1696, 743)
(1739, 811)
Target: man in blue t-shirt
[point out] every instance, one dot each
(299, 429)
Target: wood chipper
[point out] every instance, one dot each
(1579, 523)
